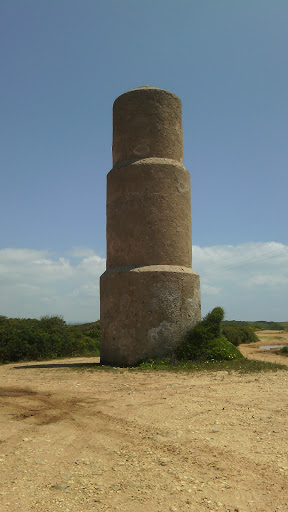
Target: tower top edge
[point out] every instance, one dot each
(147, 88)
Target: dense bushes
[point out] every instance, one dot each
(269, 326)
(238, 334)
(260, 324)
(49, 337)
(205, 341)
(284, 351)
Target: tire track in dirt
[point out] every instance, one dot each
(129, 441)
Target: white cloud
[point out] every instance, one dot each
(91, 265)
(207, 289)
(232, 260)
(249, 280)
(35, 283)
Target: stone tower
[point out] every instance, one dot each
(149, 294)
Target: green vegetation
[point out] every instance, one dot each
(238, 334)
(242, 365)
(210, 345)
(23, 339)
(267, 326)
(205, 342)
(91, 329)
(259, 325)
(206, 347)
(284, 351)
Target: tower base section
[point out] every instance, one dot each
(146, 311)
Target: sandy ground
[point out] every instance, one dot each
(120, 440)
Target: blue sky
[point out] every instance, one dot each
(63, 63)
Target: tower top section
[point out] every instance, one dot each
(147, 123)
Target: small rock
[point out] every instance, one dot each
(137, 485)
(59, 487)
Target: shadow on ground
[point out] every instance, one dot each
(58, 365)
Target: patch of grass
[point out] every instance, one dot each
(172, 365)
(242, 365)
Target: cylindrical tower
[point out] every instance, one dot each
(149, 294)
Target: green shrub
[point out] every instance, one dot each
(47, 338)
(205, 341)
(220, 349)
(238, 334)
(284, 351)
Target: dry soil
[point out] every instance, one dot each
(75, 439)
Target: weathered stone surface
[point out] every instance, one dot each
(149, 293)
(147, 122)
(145, 311)
(149, 214)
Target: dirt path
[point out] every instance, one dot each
(119, 440)
(253, 350)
